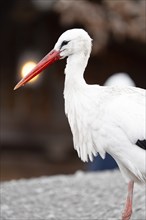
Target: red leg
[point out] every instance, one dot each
(128, 206)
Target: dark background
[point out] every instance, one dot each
(34, 133)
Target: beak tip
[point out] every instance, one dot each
(47, 60)
(16, 87)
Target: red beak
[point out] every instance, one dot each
(46, 61)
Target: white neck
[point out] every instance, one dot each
(74, 70)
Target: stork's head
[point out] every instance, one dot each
(71, 42)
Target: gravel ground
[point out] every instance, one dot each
(82, 196)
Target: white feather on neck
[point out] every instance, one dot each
(77, 102)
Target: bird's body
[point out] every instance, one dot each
(108, 119)
(102, 119)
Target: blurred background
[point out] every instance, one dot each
(35, 136)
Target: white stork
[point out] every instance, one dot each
(102, 118)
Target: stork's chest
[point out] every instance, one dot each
(84, 112)
(83, 104)
(79, 106)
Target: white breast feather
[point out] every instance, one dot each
(93, 116)
(81, 110)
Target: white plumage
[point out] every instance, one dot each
(102, 119)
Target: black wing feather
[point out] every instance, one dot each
(141, 144)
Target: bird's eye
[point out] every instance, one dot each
(65, 42)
